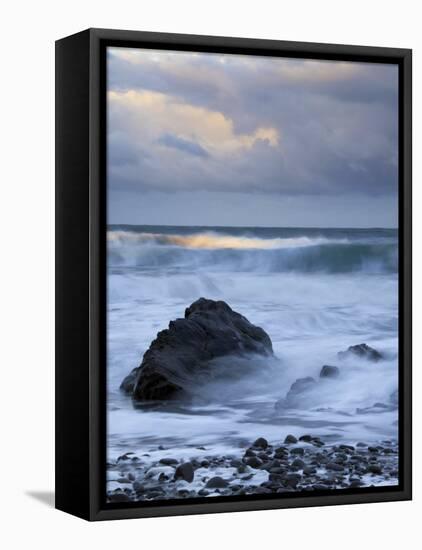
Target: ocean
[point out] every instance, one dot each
(314, 291)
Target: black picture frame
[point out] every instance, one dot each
(81, 276)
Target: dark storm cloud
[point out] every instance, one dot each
(245, 124)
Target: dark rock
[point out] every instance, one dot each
(203, 493)
(267, 465)
(356, 483)
(263, 456)
(328, 371)
(297, 464)
(341, 457)
(291, 480)
(181, 356)
(138, 487)
(297, 391)
(290, 439)
(334, 467)
(168, 461)
(184, 471)
(249, 452)
(126, 456)
(297, 451)
(309, 470)
(163, 477)
(217, 482)
(277, 470)
(362, 351)
(346, 448)
(281, 452)
(128, 383)
(253, 462)
(276, 478)
(374, 469)
(307, 438)
(388, 451)
(261, 442)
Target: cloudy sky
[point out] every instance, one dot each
(211, 139)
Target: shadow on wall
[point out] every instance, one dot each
(45, 497)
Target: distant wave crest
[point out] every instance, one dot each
(216, 251)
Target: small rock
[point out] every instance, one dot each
(168, 461)
(254, 462)
(249, 452)
(138, 487)
(217, 482)
(334, 467)
(280, 452)
(297, 464)
(329, 371)
(374, 469)
(290, 439)
(362, 351)
(306, 438)
(184, 471)
(343, 447)
(355, 483)
(261, 442)
(126, 456)
(291, 480)
(275, 478)
(297, 451)
(277, 470)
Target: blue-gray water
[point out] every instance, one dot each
(314, 291)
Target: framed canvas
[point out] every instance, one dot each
(233, 277)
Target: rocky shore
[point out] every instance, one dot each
(295, 464)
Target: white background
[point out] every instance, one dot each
(29, 29)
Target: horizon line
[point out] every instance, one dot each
(252, 226)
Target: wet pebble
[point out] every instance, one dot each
(184, 471)
(261, 442)
(217, 482)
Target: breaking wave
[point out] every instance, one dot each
(214, 251)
